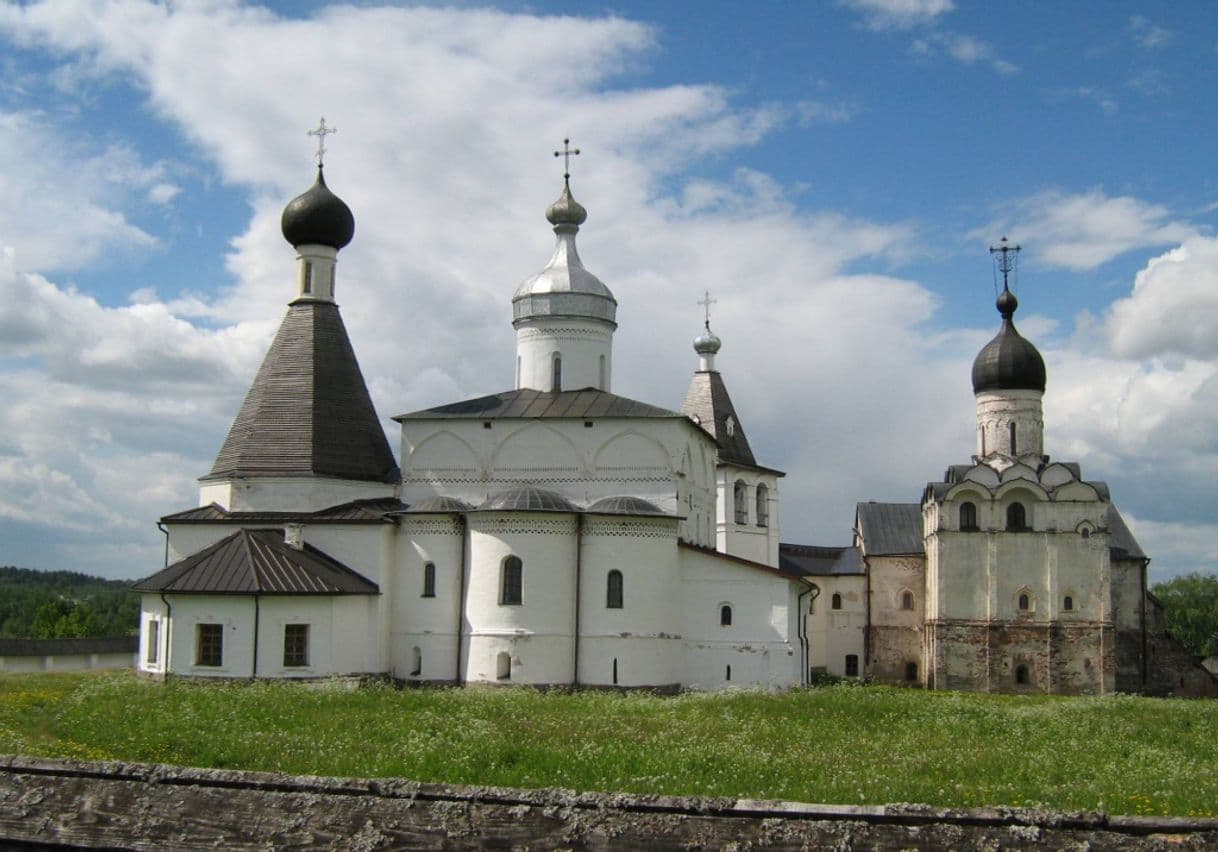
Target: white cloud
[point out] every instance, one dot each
(1173, 309)
(1083, 230)
(1149, 34)
(899, 14)
(965, 49)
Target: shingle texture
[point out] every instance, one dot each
(258, 562)
(308, 411)
(891, 529)
(1121, 543)
(526, 403)
(708, 404)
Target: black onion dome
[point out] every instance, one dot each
(318, 217)
(1008, 362)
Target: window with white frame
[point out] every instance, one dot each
(741, 499)
(153, 651)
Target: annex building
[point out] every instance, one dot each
(558, 533)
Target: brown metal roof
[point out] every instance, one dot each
(259, 562)
(354, 512)
(526, 403)
(308, 412)
(891, 529)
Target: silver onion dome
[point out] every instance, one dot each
(564, 288)
(707, 343)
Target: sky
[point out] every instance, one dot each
(831, 172)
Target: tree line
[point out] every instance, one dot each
(64, 605)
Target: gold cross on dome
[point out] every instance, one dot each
(566, 153)
(706, 302)
(321, 133)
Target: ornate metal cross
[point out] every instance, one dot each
(706, 302)
(1005, 256)
(566, 153)
(321, 133)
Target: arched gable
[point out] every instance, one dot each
(632, 450)
(443, 451)
(1056, 475)
(1020, 489)
(535, 448)
(966, 490)
(984, 475)
(1076, 491)
(1019, 471)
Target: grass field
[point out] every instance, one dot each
(837, 744)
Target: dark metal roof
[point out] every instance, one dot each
(526, 403)
(354, 512)
(626, 505)
(527, 498)
(308, 412)
(1121, 543)
(739, 560)
(708, 404)
(438, 504)
(258, 562)
(318, 217)
(1008, 362)
(809, 560)
(890, 529)
(50, 647)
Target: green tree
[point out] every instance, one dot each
(64, 619)
(1190, 605)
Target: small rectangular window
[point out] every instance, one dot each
(295, 645)
(852, 665)
(154, 641)
(209, 644)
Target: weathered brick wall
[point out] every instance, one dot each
(1067, 659)
(113, 805)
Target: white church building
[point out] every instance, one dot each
(558, 534)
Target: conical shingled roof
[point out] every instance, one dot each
(708, 404)
(308, 412)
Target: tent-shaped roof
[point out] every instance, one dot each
(308, 412)
(258, 562)
(708, 404)
(527, 403)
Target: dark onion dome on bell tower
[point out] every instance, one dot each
(318, 217)
(1008, 362)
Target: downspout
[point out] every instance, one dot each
(461, 521)
(254, 667)
(579, 554)
(801, 630)
(867, 626)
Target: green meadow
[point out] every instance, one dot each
(831, 744)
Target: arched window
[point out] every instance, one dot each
(1025, 602)
(512, 588)
(741, 493)
(763, 506)
(604, 384)
(429, 580)
(1011, 430)
(1068, 603)
(968, 516)
(1017, 517)
(613, 592)
(852, 665)
(836, 601)
(1021, 674)
(307, 287)
(556, 377)
(725, 615)
(615, 671)
(1086, 532)
(907, 599)
(416, 661)
(728, 676)
(911, 671)
(503, 666)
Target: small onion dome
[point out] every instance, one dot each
(707, 344)
(438, 505)
(527, 498)
(625, 505)
(1008, 362)
(565, 287)
(318, 217)
(566, 210)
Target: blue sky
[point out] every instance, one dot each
(831, 172)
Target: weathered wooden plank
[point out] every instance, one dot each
(140, 806)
